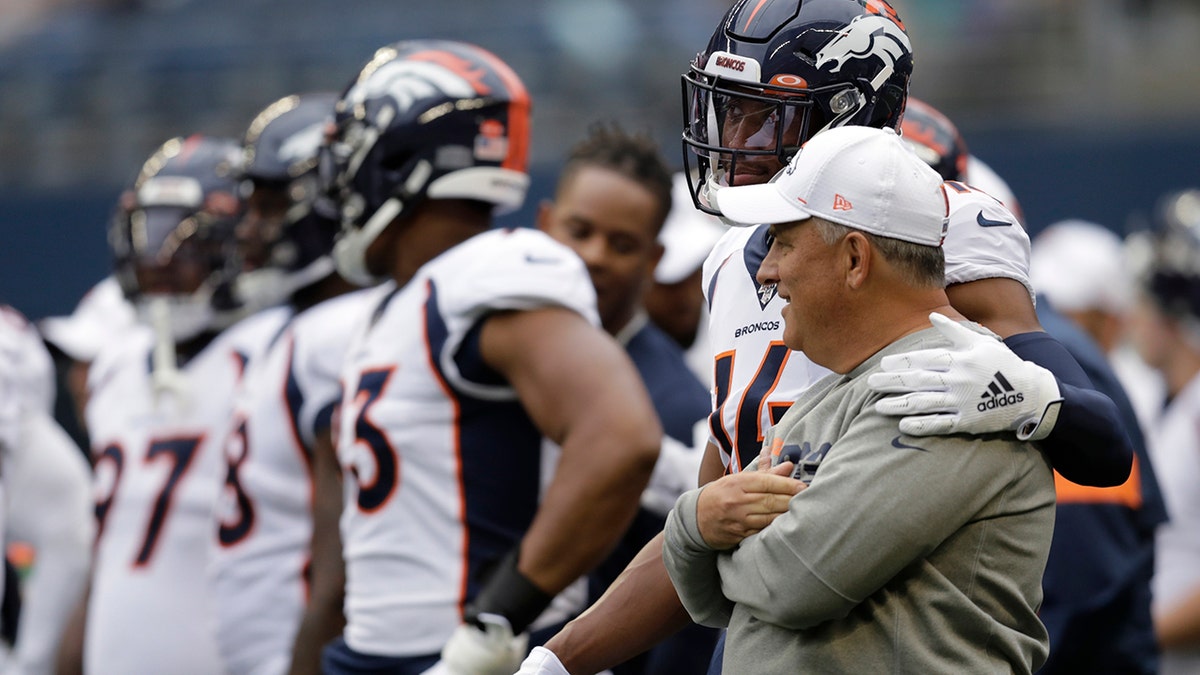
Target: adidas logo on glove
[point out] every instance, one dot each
(999, 394)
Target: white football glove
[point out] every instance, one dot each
(492, 651)
(542, 661)
(975, 386)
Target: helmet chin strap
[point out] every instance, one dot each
(350, 249)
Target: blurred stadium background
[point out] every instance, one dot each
(1088, 109)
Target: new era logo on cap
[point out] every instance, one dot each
(840, 203)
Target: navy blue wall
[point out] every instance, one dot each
(52, 248)
(1057, 176)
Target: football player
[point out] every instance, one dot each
(101, 315)
(282, 415)
(675, 301)
(774, 73)
(45, 501)
(159, 403)
(612, 198)
(485, 342)
(1165, 332)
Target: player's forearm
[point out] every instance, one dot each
(1088, 444)
(323, 619)
(639, 610)
(595, 493)
(69, 658)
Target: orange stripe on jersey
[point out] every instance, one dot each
(754, 13)
(1127, 494)
(458, 460)
(302, 450)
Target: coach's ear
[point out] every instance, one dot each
(856, 257)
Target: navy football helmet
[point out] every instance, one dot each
(776, 72)
(172, 235)
(1166, 259)
(424, 119)
(935, 139)
(286, 236)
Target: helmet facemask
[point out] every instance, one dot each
(724, 111)
(808, 65)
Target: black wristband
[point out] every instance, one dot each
(510, 594)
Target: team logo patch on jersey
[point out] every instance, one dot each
(766, 293)
(753, 255)
(865, 37)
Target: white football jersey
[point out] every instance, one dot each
(984, 239)
(27, 389)
(28, 367)
(158, 470)
(980, 175)
(440, 459)
(264, 514)
(45, 503)
(756, 377)
(1175, 452)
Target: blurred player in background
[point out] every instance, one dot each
(159, 403)
(454, 535)
(609, 206)
(1165, 328)
(264, 570)
(101, 316)
(46, 510)
(1083, 270)
(675, 301)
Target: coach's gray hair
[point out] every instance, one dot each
(921, 265)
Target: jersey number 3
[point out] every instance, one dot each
(373, 495)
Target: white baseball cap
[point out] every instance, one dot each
(1081, 265)
(687, 236)
(860, 177)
